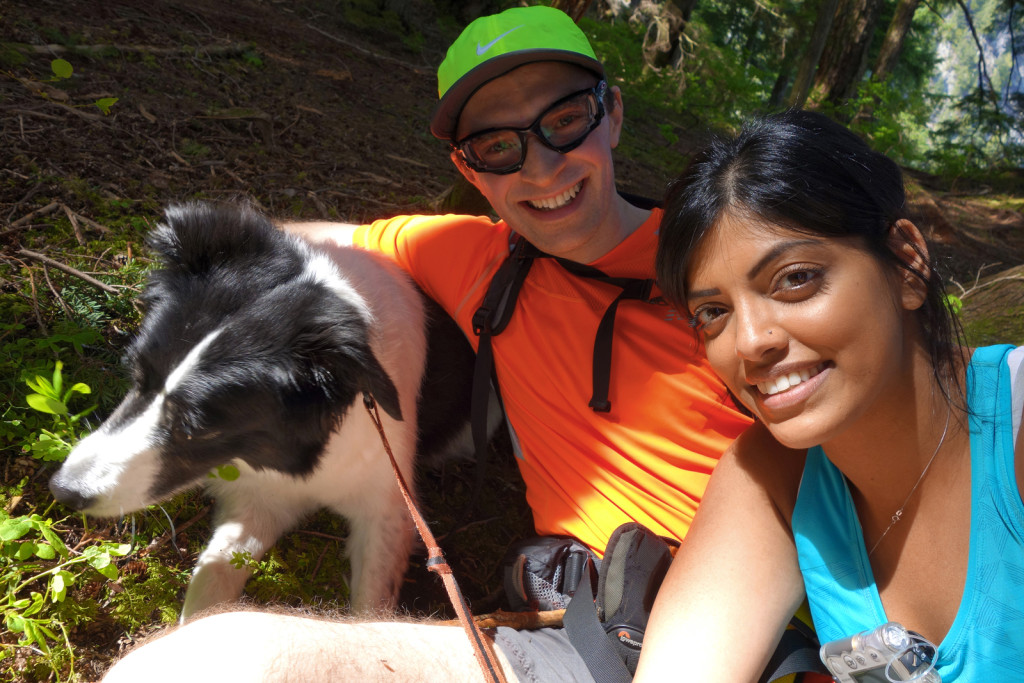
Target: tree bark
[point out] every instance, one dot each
(574, 8)
(844, 59)
(809, 64)
(892, 45)
(777, 97)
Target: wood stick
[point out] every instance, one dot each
(74, 224)
(92, 224)
(174, 531)
(376, 55)
(521, 621)
(68, 269)
(49, 208)
(220, 50)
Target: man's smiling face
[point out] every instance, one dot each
(565, 204)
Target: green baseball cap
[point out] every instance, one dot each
(494, 45)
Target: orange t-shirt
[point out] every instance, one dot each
(647, 460)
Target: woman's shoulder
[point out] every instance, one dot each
(775, 467)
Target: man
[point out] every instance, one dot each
(532, 123)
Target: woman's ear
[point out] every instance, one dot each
(909, 246)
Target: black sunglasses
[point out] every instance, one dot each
(562, 127)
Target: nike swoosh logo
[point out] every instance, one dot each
(481, 50)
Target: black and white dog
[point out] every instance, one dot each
(256, 350)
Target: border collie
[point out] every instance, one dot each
(256, 350)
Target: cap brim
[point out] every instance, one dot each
(446, 116)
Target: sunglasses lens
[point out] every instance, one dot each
(569, 122)
(494, 151)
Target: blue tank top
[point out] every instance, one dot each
(986, 639)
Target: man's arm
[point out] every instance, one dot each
(320, 231)
(735, 582)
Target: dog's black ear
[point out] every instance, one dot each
(333, 343)
(378, 385)
(197, 237)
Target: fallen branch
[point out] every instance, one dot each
(220, 50)
(520, 621)
(56, 294)
(37, 226)
(35, 307)
(376, 55)
(68, 269)
(49, 208)
(319, 561)
(30, 112)
(408, 162)
(166, 536)
(88, 221)
(321, 534)
(74, 225)
(965, 293)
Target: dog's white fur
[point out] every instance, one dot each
(354, 478)
(115, 468)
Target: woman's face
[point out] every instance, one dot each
(809, 332)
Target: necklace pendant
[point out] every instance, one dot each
(898, 516)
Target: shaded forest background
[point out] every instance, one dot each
(110, 109)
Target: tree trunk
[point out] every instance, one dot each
(574, 8)
(664, 21)
(844, 59)
(889, 54)
(816, 45)
(776, 99)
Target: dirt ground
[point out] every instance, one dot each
(312, 111)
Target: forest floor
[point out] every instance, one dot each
(314, 111)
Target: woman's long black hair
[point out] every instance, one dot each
(802, 171)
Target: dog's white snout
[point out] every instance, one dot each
(111, 472)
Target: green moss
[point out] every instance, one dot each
(11, 57)
(1004, 328)
(152, 592)
(194, 149)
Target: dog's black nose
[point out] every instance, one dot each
(68, 496)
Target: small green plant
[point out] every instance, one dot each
(274, 579)
(62, 70)
(53, 445)
(954, 303)
(36, 570)
(252, 58)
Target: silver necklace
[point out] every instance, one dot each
(898, 515)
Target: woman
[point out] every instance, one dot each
(880, 479)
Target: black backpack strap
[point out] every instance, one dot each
(588, 637)
(494, 314)
(797, 652)
(608, 631)
(632, 288)
(490, 319)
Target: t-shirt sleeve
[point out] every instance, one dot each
(450, 257)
